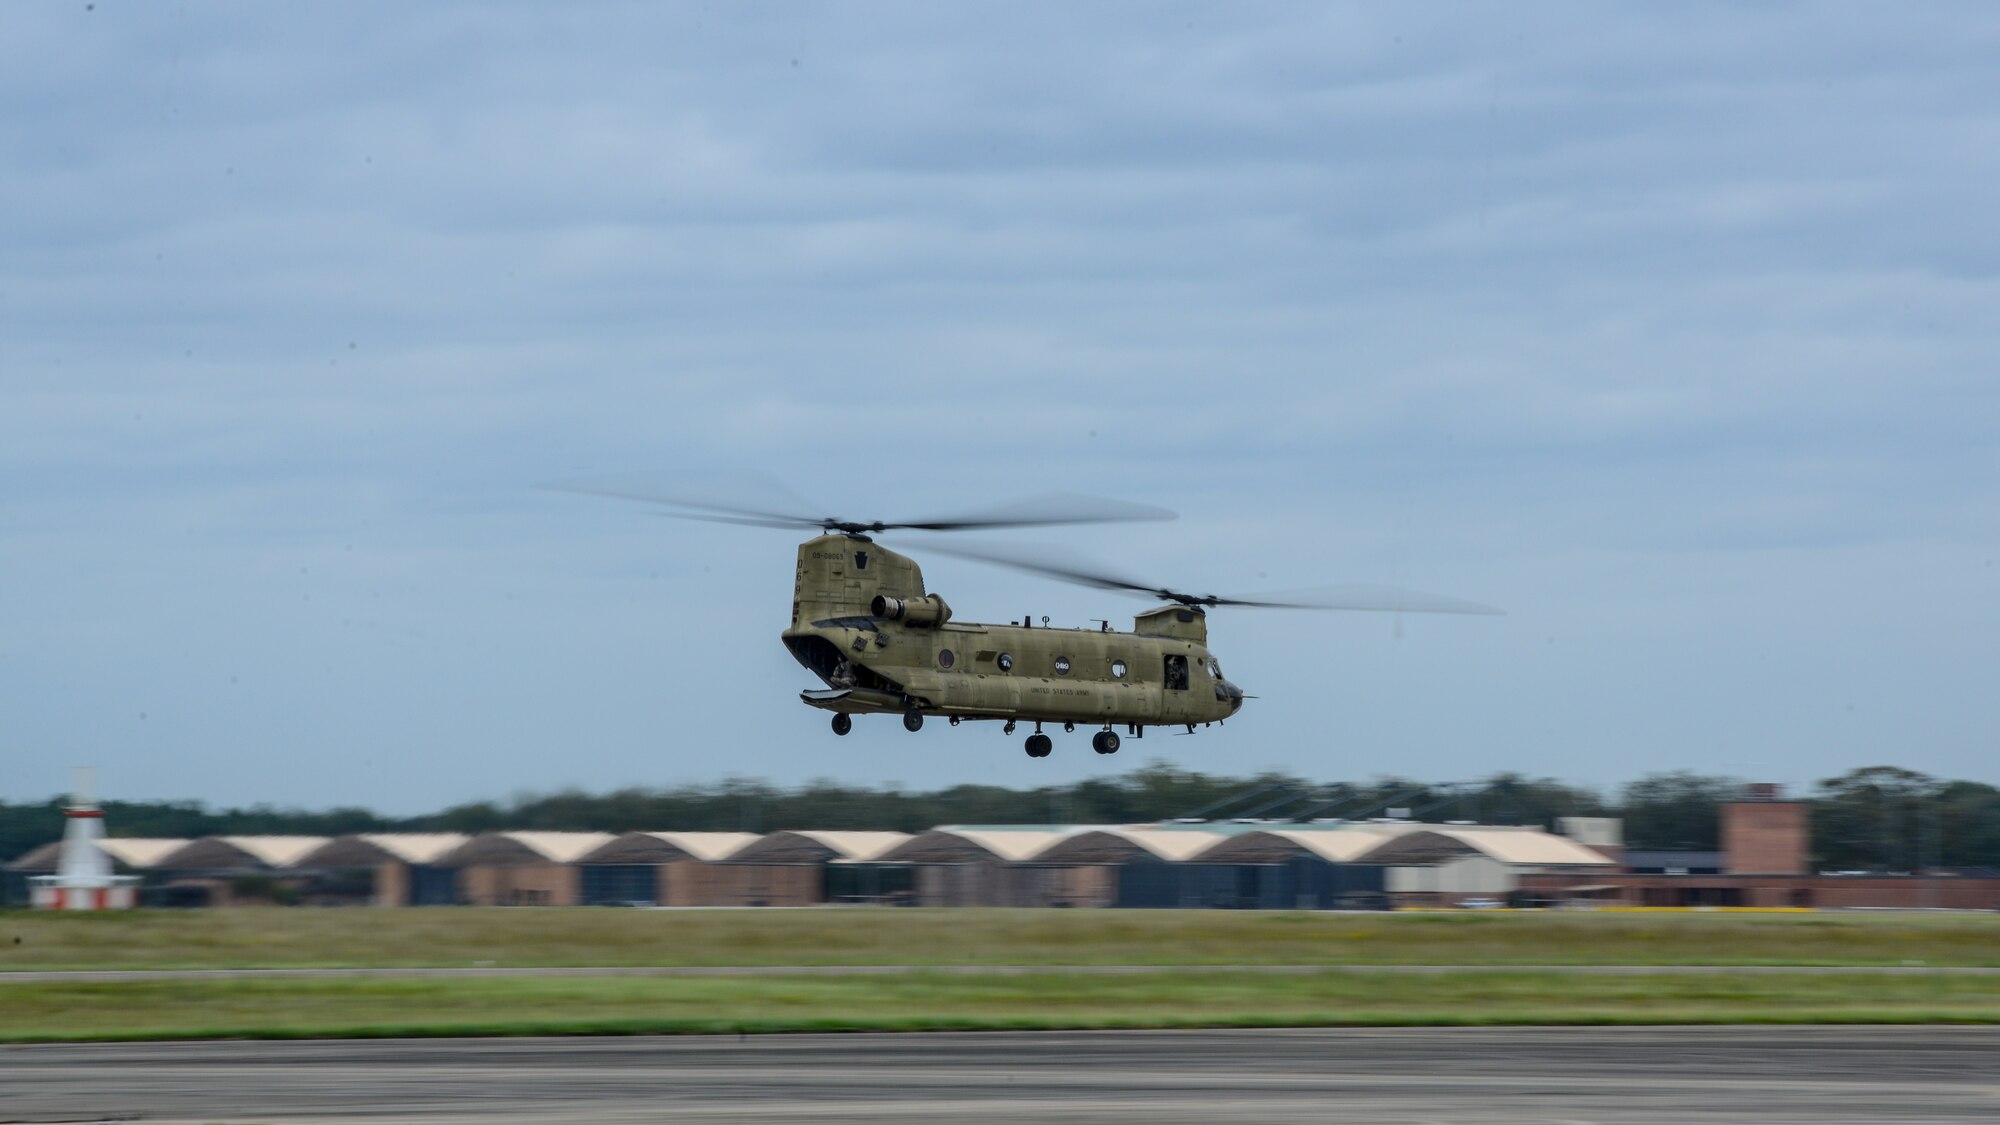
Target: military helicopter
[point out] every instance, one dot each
(864, 623)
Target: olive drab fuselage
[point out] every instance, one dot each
(864, 624)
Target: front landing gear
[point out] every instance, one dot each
(1104, 742)
(842, 723)
(1039, 745)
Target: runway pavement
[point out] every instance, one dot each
(1391, 1077)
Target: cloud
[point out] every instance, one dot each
(1642, 323)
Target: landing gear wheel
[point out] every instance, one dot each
(842, 723)
(913, 720)
(1039, 745)
(1105, 742)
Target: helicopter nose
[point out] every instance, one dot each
(1234, 695)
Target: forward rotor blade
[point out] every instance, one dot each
(756, 501)
(1049, 510)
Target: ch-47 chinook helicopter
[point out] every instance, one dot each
(864, 623)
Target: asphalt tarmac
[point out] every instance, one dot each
(1390, 1077)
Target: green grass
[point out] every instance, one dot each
(371, 1006)
(650, 1005)
(456, 936)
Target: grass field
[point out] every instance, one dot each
(1047, 997)
(914, 1001)
(458, 936)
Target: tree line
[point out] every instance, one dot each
(1881, 818)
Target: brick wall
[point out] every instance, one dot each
(1764, 838)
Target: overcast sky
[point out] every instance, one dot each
(1670, 329)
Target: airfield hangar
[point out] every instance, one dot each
(1763, 863)
(1230, 865)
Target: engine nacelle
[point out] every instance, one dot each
(927, 612)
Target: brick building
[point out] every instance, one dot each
(1764, 862)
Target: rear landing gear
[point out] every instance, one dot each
(913, 720)
(842, 723)
(1039, 745)
(1104, 742)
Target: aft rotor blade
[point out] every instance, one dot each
(741, 521)
(1363, 598)
(761, 501)
(1054, 562)
(1067, 566)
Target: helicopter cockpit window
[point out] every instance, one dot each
(1214, 669)
(1177, 672)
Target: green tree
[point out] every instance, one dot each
(1677, 811)
(1969, 824)
(1512, 799)
(1882, 817)
(25, 827)
(1878, 818)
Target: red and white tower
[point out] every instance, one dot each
(83, 878)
